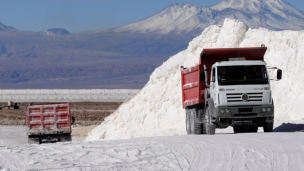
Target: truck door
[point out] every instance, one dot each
(212, 81)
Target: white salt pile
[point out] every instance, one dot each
(157, 109)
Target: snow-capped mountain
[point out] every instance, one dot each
(55, 31)
(188, 18)
(125, 55)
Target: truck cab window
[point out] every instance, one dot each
(242, 74)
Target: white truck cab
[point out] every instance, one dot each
(240, 95)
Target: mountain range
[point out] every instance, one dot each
(125, 56)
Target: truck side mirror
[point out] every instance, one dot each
(202, 76)
(279, 74)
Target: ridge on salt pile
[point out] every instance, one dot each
(157, 109)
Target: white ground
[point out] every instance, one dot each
(223, 151)
(260, 151)
(10, 135)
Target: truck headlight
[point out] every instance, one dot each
(222, 111)
(227, 110)
(268, 109)
(264, 109)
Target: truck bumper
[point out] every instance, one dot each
(49, 132)
(244, 111)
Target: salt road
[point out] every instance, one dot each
(250, 151)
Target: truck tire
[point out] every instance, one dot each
(34, 140)
(195, 125)
(209, 127)
(201, 114)
(268, 126)
(188, 121)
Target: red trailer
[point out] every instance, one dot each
(48, 122)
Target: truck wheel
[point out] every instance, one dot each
(201, 114)
(195, 125)
(188, 121)
(268, 126)
(209, 127)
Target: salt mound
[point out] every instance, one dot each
(157, 109)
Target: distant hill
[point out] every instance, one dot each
(125, 56)
(4, 28)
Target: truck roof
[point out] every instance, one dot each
(245, 62)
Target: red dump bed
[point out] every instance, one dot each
(193, 89)
(48, 118)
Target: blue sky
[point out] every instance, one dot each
(85, 15)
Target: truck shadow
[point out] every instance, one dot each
(289, 127)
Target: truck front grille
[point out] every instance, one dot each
(237, 97)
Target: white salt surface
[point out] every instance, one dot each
(251, 151)
(19, 95)
(10, 135)
(157, 109)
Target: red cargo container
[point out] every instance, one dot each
(48, 122)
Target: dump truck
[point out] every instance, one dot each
(229, 87)
(49, 122)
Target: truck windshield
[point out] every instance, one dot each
(242, 74)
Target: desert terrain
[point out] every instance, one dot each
(85, 113)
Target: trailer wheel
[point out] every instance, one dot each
(195, 125)
(268, 126)
(188, 121)
(209, 127)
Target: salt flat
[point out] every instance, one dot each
(252, 151)
(10, 135)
